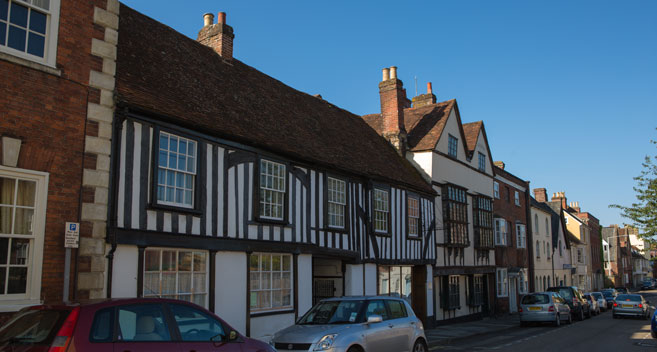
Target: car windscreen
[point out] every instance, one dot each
(597, 295)
(563, 292)
(626, 297)
(33, 327)
(333, 312)
(536, 299)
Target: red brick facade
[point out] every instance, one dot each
(510, 256)
(46, 109)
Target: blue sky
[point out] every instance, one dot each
(567, 89)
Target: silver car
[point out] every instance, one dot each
(594, 303)
(350, 324)
(544, 307)
(631, 305)
(602, 302)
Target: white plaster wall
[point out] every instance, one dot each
(481, 148)
(353, 280)
(305, 294)
(370, 279)
(230, 288)
(423, 160)
(541, 264)
(452, 127)
(263, 328)
(124, 271)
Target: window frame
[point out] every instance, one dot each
(453, 298)
(480, 215)
(153, 201)
(521, 235)
(503, 238)
(51, 36)
(271, 289)
(482, 162)
(461, 210)
(387, 190)
(452, 145)
(516, 197)
(496, 190)
(206, 272)
(256, 192)
(326, 192)
(420, 230)
(501, 287)
(32, 295)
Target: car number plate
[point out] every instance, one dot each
(535, 308)
(628, 306)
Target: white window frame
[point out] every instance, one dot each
(413, 216)
(522, 282)
(501, 233)
(271, 288)
(178, 295)
(496, 189)
(176, 171)
(381, 200)
(521, 237)
(517, 198)
(52, 30)
(337, 202)
(32, 295)
(502, 282)
(276, 191)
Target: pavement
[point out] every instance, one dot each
(448, 334)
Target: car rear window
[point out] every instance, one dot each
(626, 297)
(566, 293)
(597, 295)
(33, 327)
(536, 299)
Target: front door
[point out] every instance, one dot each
(513, 293)
(419, 292)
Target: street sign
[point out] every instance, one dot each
(72, 236)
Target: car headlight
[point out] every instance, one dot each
(325, 342)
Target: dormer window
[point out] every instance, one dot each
(453, 143)
(28, 29)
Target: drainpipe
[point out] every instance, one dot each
(111, 213)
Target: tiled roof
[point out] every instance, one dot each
(169, 75)
(471, 131)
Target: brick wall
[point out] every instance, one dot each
(46, 109)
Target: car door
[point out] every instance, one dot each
(401, 329)
(377, 335)
(143, 327)
(200, 331)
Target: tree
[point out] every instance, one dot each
(643, 213)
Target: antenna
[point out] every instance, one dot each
(416, 86)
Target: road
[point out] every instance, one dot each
(600, 333)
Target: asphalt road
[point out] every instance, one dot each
(600, 333)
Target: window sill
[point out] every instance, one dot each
(31, 64)
(266, 221)
(271, 312)
(175, 209)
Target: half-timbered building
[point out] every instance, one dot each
(455, 157)
(246, 196)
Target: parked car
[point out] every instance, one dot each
(602, 301)
(647, 284)
(349, 324)
(579, 307)
(631, 305)
(593, 302)
(133, 324)
(653, 325)
(544, 307)
(620, 290)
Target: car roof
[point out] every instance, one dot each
(106, 302)
(360, 298)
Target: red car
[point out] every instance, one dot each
(132, 324)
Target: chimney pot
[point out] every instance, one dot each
(221, 18)
(393, 72)
(208, 18)
(429, 90)
(386, 74)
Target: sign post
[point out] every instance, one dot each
(71, 240)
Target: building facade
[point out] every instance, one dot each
(54, 74)
(239, 193)
(455, 157)
(511, 203)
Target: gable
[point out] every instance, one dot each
(482, 147)
(453, 128)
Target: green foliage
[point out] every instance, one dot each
(643, 212)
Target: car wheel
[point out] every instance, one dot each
(570, 319)
(590, 314)
(420, 346)
(557, 322)
(355, 349)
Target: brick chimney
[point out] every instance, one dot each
(560, 196)
(499, 164)
(575, 206)
(393, 102)
(219, 36)
(425, 99)
(540, 194)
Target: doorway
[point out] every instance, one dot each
(328, 279)
(513, 294)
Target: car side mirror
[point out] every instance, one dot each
(374, 318)
(232, 336)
